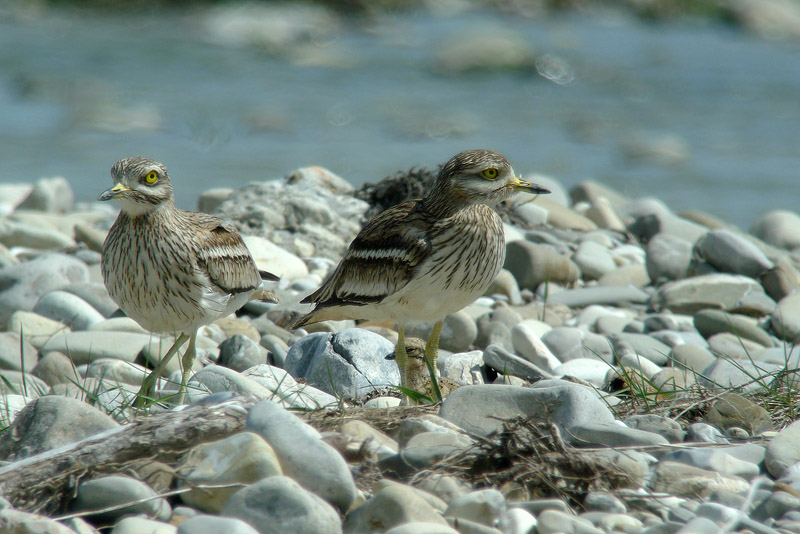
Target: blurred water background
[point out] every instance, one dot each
(698, 112)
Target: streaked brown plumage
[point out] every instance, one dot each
(425, 258)
(170, 270)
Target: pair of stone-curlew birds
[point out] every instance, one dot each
(173, 271)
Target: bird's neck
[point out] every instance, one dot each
(142, 209)
(443, 201)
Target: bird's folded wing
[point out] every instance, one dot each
(380, 261)
(224, 257)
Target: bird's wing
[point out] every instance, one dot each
(224, 257)
(380, 261)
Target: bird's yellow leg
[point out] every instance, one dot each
(186, 363)
(432, 346)
(146, 391)
(432, 354)
(401, 358)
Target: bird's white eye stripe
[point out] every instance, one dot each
(381, 253)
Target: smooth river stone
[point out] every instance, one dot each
(278, 504)
(710, 322)
(779, 228)
(482, 409)
(69, 309)
(727, 292)
(608, 295)
(85, 347)
(732, 253)
(303, 455)
(50, 422)
(22, 285)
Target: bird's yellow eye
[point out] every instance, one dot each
(489, 174)
(151, 177)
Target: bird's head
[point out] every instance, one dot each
(481, 177)
(140, 184)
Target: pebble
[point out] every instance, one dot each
(507, 363)
(657, 424)
(594, 260)
(392, 506)
(533, 348)
(95, 294)
(17, 521)
(362, 433)
(704, 433)
(604, 501)
(120, 324)
(16, 382)
(16, 234)
(604, 295)
(264, 505)
(730, 252)
(113, 370)
(728, 292)
(138, 525)
(518, 521)
(778, 228)
(711, 322)
(785, 319)
(10, 406)
(668, 257)
(463, 367)
(505, 284)
(427, 448)
(568, 343)
(716, 460)
(480, 409)
(725, 374)
(731, 346)
(591, 434)
(347, 364)
(50, 422)
(286, 391)
(302, 454)
(85, 347)
(412, 426)
(591, 370)
(556, 522)
(781, 280)
(687, 481)
(641, 345)
(783, 450)
(22, 285)
(16, 356)
(242, 458)
(240, 353)
(651, 216)
(204, 524)
(533, 264)
(481, 506)
(422, 527)
(731, 410)
(691, 357)
(36, 329)
(113, 490)
(274, 259)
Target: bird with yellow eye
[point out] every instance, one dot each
(172, 271)
(426, 258)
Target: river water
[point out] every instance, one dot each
(79, 90)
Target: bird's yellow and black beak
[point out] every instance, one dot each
(518, 184)
(115, 192)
